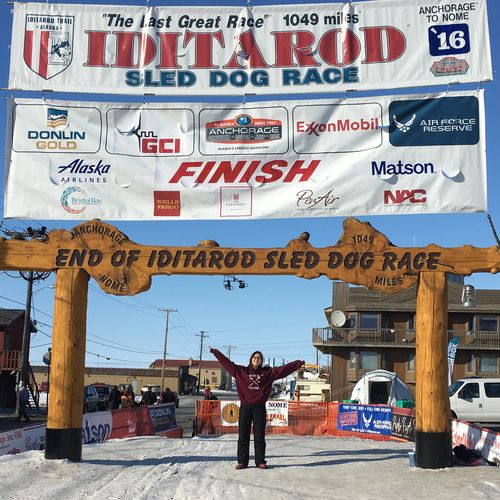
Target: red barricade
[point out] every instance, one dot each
(130, 422)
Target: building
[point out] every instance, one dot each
(374, 330)
(212, 374)
(136, 377)
(11, 343)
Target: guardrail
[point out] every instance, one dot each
(400, 337)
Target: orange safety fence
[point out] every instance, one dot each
(304, 419)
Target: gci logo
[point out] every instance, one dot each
(405, 195)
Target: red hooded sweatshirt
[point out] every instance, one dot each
(254, 385)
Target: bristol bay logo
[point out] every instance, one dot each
(75, 200)
(244, 129)
(445, 121)
(48, 44)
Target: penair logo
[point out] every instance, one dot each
(167, 204)
(75, 200)
(48, 44)
(446, 121)
(58, 138)
(244, 129)
(405, 197)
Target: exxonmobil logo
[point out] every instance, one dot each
(407, 196)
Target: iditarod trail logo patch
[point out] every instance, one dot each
(48, 43)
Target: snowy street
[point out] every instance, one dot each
(300, 467)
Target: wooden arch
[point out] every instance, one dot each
(362, 256)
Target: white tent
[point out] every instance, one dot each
(381, 387)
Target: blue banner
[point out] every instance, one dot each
(452, 349)
(365, 419)
(163, 417)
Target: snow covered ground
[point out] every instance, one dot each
(203, 468)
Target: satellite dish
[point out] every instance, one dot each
(338, 318)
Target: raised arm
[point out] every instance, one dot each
(285, 370)
(229, 366)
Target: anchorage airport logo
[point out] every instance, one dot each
(48, 44)
(244, 129)
(446, 121)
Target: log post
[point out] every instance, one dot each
(433, 418)
(63, 437)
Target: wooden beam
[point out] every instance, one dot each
(64, 422)
(433, 417)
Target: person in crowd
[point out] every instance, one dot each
(254, 383)
(149, 397)
(209, 396)
(127, 399)
(167, 396)
(114, 398)
(24, 397)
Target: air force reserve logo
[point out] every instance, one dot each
(48, 44)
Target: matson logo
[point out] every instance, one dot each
(406, 196)
(244, 129)
(400, 168)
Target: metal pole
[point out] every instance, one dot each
(229, 380)
(202, 335)
(168, 311)
(23, 369)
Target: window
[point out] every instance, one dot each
(469, 391)
(488, 363)
(352, 360)
(470, 363)
(368, 360)
(492, 389)
(368, 321)
(411, 322)
(454, 387)
(488, 323)
(410, 366)
(304, 387)
(214, 380)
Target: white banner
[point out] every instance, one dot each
(277, 413)
(262, 49)
(377, 155)
(22, 439)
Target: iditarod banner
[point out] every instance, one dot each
(350, 157)
(255, 49)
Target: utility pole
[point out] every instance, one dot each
(229, 380)
(168, 311)
(202, 335)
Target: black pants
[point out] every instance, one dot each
(249, 414)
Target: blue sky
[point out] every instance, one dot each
(273, 314)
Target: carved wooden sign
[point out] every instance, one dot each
(362, 256)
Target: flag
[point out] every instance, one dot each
(452, 349)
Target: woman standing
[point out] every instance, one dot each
(254, 383)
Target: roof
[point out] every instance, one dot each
(9, 316)
(126, 372)
(193, 363)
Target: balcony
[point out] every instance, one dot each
(390, 337)
(10, 360)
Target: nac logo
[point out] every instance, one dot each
(409, 196)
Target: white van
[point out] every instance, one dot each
(313, 390)
(475, 399)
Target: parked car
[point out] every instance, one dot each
(90, 399)
(103, 391)
(475, 399)
(43, 387)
